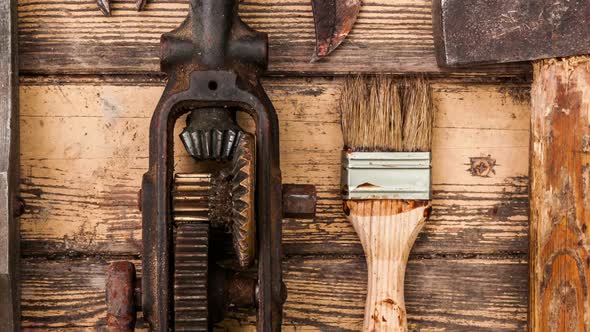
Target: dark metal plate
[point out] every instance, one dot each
(493, 31)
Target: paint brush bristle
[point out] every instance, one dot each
(418, 115)
(380, 114)
(353, 104)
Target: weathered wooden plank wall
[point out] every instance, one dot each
(92, 83)
(84, 150)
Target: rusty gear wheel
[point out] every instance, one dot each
(190, 277)
(202, 200)
(231, 204)
(243, 175)
(191, 245)
(211, 134)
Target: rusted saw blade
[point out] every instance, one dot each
(333, 21)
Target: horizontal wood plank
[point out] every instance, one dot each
(327, 294)
(65, 37)
(84, 149)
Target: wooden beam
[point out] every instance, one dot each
(560, 196)
(324, 294)
(85, 149)
(9, 166)
(65, 37)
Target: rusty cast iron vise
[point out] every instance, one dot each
(189, 278)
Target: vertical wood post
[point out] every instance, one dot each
(9, 228)
(560, 196)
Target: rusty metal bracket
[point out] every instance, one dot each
(299, 201)
(213, 60)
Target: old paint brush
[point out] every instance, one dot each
(386, 183)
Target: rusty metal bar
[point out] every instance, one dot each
(120, 297)
(299, 201)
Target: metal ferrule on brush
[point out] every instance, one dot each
(386, 175)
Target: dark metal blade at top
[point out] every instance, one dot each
(499, 31)
(333, 21)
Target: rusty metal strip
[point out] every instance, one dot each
(9, 166)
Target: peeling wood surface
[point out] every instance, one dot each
(560, 190)
(84, 149)
(325, 294)
(66, 37)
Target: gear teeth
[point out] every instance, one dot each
(190, 277)
(210, 144)
(231, 204)
(244, 225)
(191, 196)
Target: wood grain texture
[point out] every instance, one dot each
(84, 149)
(65, 37)
(9, 167)
(387, 230)
(325, 294)
(560, 190)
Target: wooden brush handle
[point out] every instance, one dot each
(387, 230)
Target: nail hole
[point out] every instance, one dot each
(212, 85)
